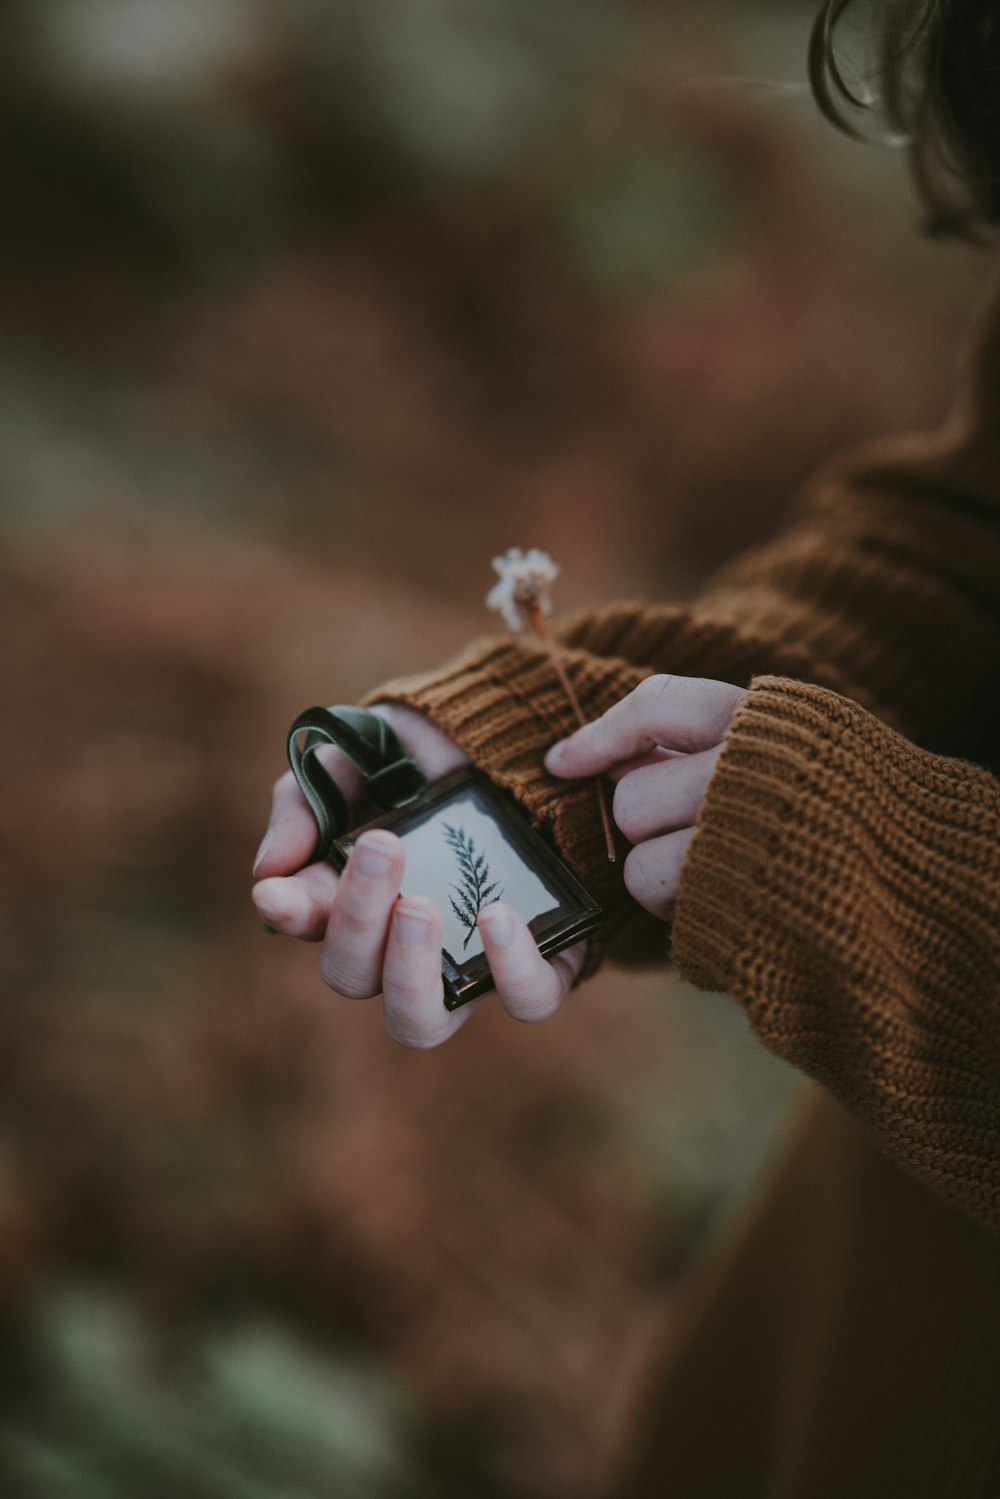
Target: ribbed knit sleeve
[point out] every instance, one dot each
(885, 590)
(844, 886)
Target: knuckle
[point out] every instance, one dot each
(413, 1036)
(709, 707)
(524, 992)
(345, 980)
(351, 918)
(721, 697)
(735, 697)
(403, 988)
(513, 986)
(567, 965)
(542, 1007)
(652, 691)
(711, 686)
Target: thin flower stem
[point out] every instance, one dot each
(536, 619)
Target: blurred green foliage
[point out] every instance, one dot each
(244, 1414)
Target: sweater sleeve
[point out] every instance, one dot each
(885, 589)
(844, 886)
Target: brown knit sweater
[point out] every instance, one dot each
(844, 881)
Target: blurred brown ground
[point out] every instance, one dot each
(276, 382)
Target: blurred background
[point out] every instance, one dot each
(307, 311)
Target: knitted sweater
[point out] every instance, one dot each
(844, 881)
(844, 886)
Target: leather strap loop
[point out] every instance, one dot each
(391, 776)
(395, 785)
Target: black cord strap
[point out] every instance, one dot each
(391, 776)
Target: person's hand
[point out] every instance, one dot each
(374, 940)
(660, 746)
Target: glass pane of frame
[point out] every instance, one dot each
(467, 844)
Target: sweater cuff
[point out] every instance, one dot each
(752, 808)
(501, 702)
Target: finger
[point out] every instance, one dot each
(353, 950)
(298, 906)
(680, 713)
(665, 797)
(412, 990)
(434, 752)
(530, 989)
(652, 871)
(290, 838)
(654, 757)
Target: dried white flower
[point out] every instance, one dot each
(523, 597)
(526, 578)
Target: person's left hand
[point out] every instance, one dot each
(660, 746)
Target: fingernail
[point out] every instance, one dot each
(258, 861)
(411, 926)
(372, 858)
(555, 754)
(498, 927)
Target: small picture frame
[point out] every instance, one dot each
(467, 844)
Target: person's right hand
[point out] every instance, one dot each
(376, 941)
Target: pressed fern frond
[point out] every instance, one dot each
(476, 889)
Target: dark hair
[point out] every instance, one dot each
(937, 86)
